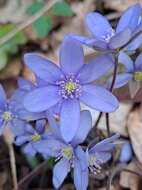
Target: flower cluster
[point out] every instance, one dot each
(53, 102)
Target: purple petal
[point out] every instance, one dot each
(54, 125)
(130, 18)
(42, 67)
(29, 129)
(121, 80)
(99, 98)
(40, 126)
(84, 127)
(138, 62)
(60, 171)
(17, 126)
(136, 43)
(126, 61)
(126, 152)
(51, 147)
(70, 118)
(25, 84)
(105, 144)
(98, 25)
(120, 39)
(83, 39)
(2, 126)
(41, 99)
(22, 139)
(2, 97)
(28, 149)
(71, 56)
(80, 170)
(95, 69)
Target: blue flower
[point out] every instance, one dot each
(9, 113)
(132, 74)
(100, 153)
(106, 37)
(68, 155)
(31, 137)
(24, 87)
(126, 153)
(92, 161)
(69, 84)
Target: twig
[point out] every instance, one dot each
(107, 124)
(33, 173)
(117, 170)
(13, 166)
(98, 120)
(28, 22)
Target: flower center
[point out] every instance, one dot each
(94, 164)
(7, 115)
(67, 152)
(138, 76)
(36, 137)
(69, 88)
(108, 36)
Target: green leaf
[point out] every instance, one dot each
(34, 7)
(18, 39)
(62, 9)
(3, 58)
(42, 26)
(11, 46)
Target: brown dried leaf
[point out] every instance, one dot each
(134, 126)
(120, 5)
(129, 180)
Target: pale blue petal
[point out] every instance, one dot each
(40, 126)
(120, 39)
(80, 170)
(22, 139)
(60, 172)
(121, 80)
(95, 69)
(2, 97)
(71, 56)
(84, 127)
(42, 99)
(130, 18)
(70, 118)
(83, 39)
(98, 25)
(138, 63)
(25, 84)
(42, 67)
(126, 61)
(28, 149)
(99, 98)
(136, 43)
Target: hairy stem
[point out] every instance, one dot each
(107, 124)
(13, 166)
(132, 39)
(111, 89)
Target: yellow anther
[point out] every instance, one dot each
(138, 76)
(67, 152)
(7, 115)
(70, 86)
(92, 160)
(36, 137)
